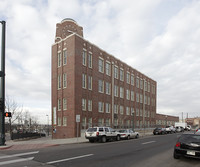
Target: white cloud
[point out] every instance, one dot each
(160, 39)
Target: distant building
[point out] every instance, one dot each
(195, 122)
(91, 83)
(165, 120)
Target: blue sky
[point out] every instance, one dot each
(159, 38)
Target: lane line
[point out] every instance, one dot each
(67, 159)
(20, 154)
(149, 142)
(15, 161)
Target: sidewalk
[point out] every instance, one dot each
(47, 142)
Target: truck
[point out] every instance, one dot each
(181, 124)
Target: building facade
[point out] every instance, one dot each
(92, 85)
(166, 120)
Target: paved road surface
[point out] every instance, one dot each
(152, 151)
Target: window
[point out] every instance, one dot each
(121, 92)
(84, 81)
(148, 86)
(84, 104)
(145, 99)
(107, 108)
(64, 104)
(115, 108)
(59, 121)
(108, 67)
(148, 100)
(107, 121)
(127, 110)
(153, 89)
(59, 59)
(141, 112)
(137, 97)
(101, 65)
(59, 104)
(121, 74)
(121, 108)
(137, 83)
(84, 122)
(108, 88)
(101, 86)
(132, 79)
(84, 57)
(89, 122)
(64, 80)
(141, 98)
(127, 94)
(90, 82)
(90, 60)
(59, 81)
(116, 90)
(141, 83)
(100, 123)
(101, 107)
(132, 95)
(89, 105)
(137, 112)
(64, 121)
(64, 57)
(128, 77)
(116, 72)
(132, 110)
(145, 86)
(115, 122)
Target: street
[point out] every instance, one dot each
(149, 151)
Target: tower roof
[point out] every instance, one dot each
(68, 19)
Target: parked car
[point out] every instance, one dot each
(188, 128)
(101, 134)
(173, 129)
(159, 131)
(128, 134)
(168, 129)
(197, 132)
(179, 129)
(187, 145)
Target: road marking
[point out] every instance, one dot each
(15, 161)
(149, 142)
(67, 159)
(20, 154)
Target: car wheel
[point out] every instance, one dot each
(103, 139)
(137, 136)
(118, 138)
(176, 156)
(91, 141)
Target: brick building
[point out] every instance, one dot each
(164, 120)
(90, 82)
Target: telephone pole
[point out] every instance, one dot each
(2, 85)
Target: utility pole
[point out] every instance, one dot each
(2, 85)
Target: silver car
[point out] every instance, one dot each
(128, 134)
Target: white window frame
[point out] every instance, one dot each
(64, 56)
(108, 88)
(101, 86)
(64, 80)
(121, 74)
(101, 106)
(128, 77)
(59, 82)
(108, 68)
(89, 105)
(64, 104)
(132, 95)
(116, 72)
(84, 57)
(121, 92)
(101, 66)
(89, 82)
(132, 79)
(59, 104)
(83, 104)
(127, 94)
(90, 60)
(59, 55)
(116, 90)
(108, 108)
(84, 81)
(64, 121)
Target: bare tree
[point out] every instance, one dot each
(16, 111)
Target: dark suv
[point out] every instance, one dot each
(159, 131)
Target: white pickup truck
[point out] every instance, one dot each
(101, 134)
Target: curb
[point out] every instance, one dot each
(5, 147)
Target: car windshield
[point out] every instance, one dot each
(92, 130)
(122, 131)
(190, 138)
